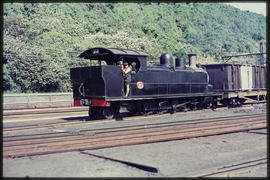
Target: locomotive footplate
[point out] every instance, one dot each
(146, 97)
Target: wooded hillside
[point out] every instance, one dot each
(42, 41)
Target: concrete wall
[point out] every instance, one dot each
(37, 100)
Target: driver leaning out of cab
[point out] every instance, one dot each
(126, 71)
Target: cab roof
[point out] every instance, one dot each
(99, 53)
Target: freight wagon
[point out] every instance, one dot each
(237, 82)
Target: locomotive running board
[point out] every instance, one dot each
(144, 97)
(136, 165)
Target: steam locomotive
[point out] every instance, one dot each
(163, 87)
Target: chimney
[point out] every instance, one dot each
(192, 61)
(180, 63)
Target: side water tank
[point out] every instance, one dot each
(166, 60)
(180, 63)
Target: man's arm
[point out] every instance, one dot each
(125, 71)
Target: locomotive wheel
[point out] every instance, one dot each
(192, 107)
(94, 113)
(262, 97)
(232, 103)
(240, 101)
(116, 109)
(225, 102)
(213, 104)
(173, 109)
(133, 112)
(107, 113)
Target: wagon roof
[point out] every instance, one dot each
(104, 53)
(231, 64)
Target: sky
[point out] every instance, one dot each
(258, 7)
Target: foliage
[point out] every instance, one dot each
(42, 41)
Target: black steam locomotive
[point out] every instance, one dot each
(163, 87)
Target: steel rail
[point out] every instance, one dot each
(236, 168)
(132, 138)
(45, 149)
(43, 111)
(150, 131)
(42, 126)
(124, 128)
(71, 122)
(10, 113)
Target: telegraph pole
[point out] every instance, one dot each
(261, 51)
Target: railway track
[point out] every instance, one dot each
(8, 114)
(80, 121)
(39, 144)
(75, 122)
(21, 112)
(228, 171)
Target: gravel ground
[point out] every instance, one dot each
(183, 158)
